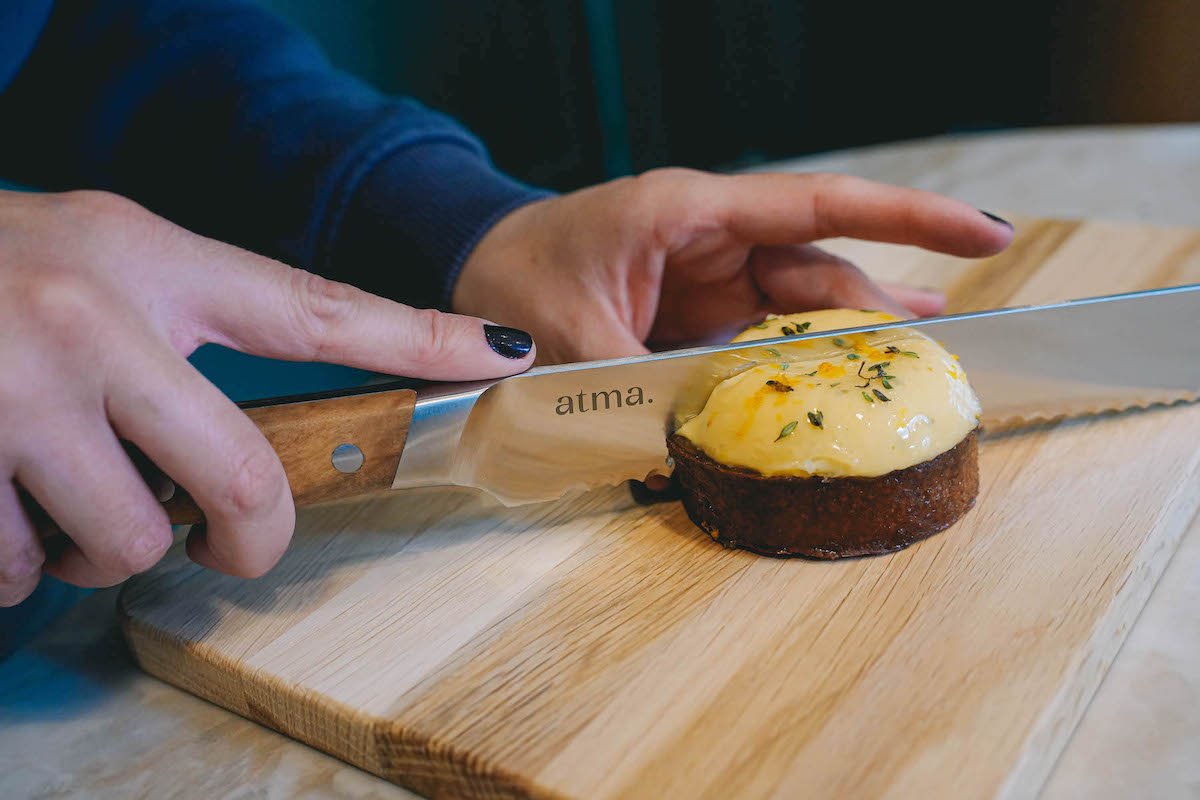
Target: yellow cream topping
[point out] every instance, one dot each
(864, 404)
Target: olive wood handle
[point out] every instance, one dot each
(306, 433)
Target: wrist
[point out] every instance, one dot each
(481, 282)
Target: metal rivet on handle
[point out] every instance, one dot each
(347, 458)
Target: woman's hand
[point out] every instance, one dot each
(675, 256)
(100, 303)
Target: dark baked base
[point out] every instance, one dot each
(826, 518)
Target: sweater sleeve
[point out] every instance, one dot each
(226, 120)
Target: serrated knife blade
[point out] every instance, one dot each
(541, 434)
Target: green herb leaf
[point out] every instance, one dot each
(909, 353)
(784, 366)
(803, 326)
(787, 331)
(881, 395)
(816, 419)
(773, 352)
(868, 398)
(852, 356)
(787, 430)
(810, 374)
(762, 326)
(891, 348)
(840, 342)
(780, 387)
(886, 384)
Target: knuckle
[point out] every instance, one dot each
(825, 189)
(21, 567)
(666, 178)
(143, 551)
(649, 189)
(111, 226)
(255, 482)
(14, 593)
(96, 215)
(433, 337)
(320, 308)
(93, 204)
(64, 306)
(673, 204)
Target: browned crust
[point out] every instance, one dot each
(826, 517)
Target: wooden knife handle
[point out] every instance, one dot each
(306, 435)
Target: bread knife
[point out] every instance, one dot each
(552, 430)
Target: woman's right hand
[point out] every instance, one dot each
(100, 304)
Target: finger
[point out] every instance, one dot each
(21, 553)
(922, 302)
(781, 208)
(204, 443)
(262, 307)
(805, 277)
(82, 478)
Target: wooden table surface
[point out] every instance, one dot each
(78, 719)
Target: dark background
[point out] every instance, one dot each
(569, 92)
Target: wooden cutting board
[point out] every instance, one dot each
(596, 648)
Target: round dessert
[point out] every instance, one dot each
(846, 446)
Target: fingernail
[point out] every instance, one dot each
(508, 342)
(994, 218)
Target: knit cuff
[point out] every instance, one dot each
(414, 217)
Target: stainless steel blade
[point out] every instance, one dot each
(542, 434)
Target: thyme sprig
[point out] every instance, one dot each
(879, 374)
(796, 331)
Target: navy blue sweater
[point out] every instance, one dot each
(226, 120)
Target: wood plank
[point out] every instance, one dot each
(596, 648)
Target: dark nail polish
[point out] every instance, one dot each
(994, 218)
(508, 342)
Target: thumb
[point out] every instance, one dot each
(279, 312)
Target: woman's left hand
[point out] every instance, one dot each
(674, 257)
